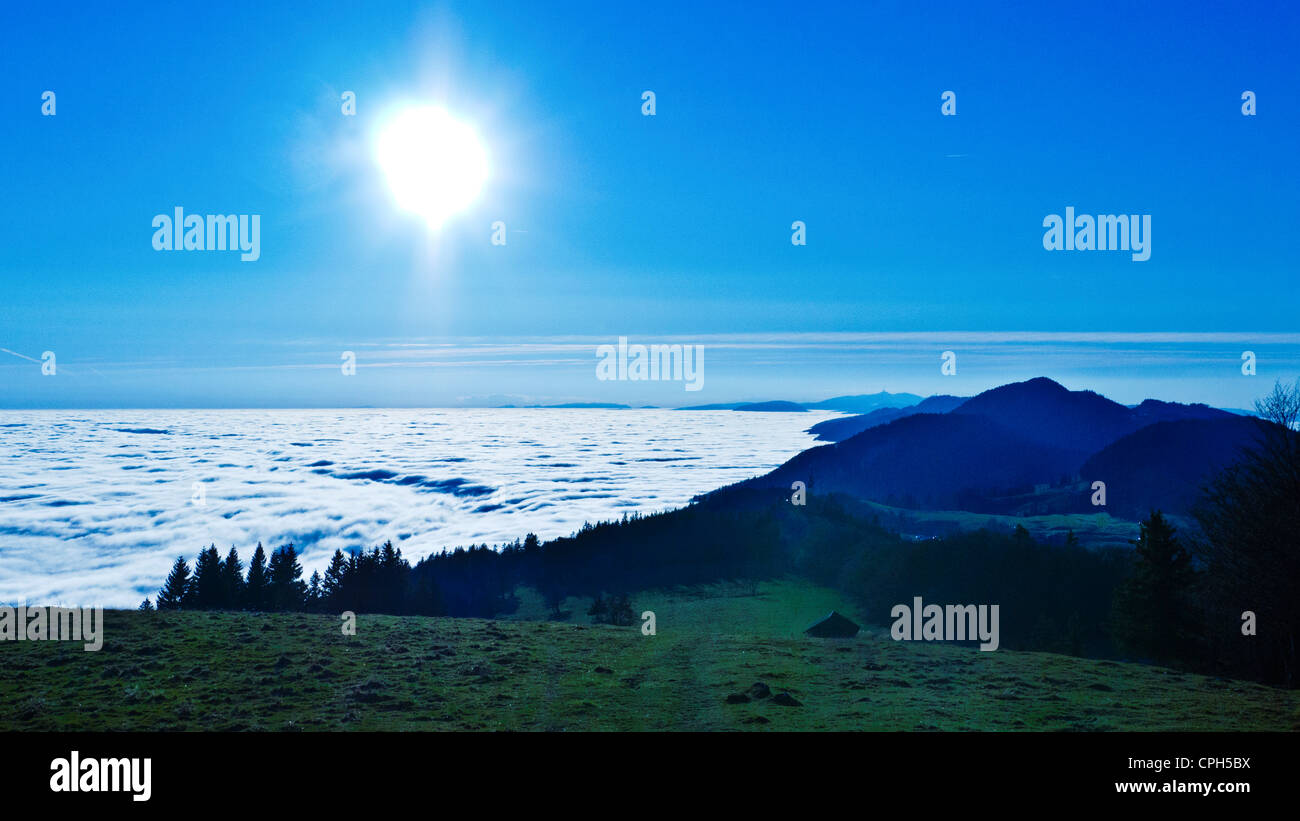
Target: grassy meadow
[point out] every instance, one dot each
(1091, 529)
(291, 671)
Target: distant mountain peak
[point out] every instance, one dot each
(1037, 385)
(1046, 382)
(1041, 387)
(1045, 411)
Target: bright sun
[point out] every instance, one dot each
(434, 164)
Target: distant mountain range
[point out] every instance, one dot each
(588, 405)
(861, 403)
(1026, 448)
(768, 407)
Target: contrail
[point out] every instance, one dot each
(62, 368)
(20, 356)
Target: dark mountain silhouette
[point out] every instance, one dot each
(837, 430)
(1046, 412)
(927, 460)
(1163, 465)
(1011, 402)
(1024, 447)
(1153, 410)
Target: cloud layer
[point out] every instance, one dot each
(95, 505)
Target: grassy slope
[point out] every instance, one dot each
(1091, 529)
(237, 671)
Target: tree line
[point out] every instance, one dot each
(374, 581)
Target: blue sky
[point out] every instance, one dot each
(922, 228)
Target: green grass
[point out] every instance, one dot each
(241, 671)
(1091, 529)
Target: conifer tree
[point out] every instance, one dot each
(255, 589)
(232, 580)
(205, 589)
(1152, 607)
(285, 588)
(172, 594)
(333, 583)
(314, 591)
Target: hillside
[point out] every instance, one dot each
(927, 460)
(1026, 448)
(1162, 465)
(255, 672)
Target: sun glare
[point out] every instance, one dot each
(434, 164)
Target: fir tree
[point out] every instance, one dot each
(232, 580)
(205, 589)
(255, 589)
(314, 591)
(285, 588)
(333, 583)
(172, 594)
(1152, 604)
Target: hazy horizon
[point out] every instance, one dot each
(1187, 371)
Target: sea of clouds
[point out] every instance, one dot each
(95, 505)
